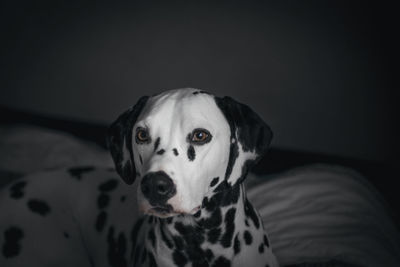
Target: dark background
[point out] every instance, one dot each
(321, 73)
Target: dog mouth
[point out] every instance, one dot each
(168, 211)
(161, 211)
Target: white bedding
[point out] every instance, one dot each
(320, 212)
(27, 149)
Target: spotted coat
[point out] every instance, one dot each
(199, 146)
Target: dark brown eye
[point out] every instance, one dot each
(200, 136)
(142, 136)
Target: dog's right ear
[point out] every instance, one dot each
(119, 141)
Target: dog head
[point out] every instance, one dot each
(184, 145)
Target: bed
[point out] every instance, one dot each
(323, 214)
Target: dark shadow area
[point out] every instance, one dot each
(320, 73)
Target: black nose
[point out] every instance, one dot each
(157, 187)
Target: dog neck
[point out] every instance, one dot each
(218, 232)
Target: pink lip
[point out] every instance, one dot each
(160, 212)
(164, 212)
(193, 211)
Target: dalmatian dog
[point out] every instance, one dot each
(189, 153)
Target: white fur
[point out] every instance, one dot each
(172, 116)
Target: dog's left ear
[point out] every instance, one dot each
(250, 138)
(119, 141)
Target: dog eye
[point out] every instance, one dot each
(142, 136)
(200, 136)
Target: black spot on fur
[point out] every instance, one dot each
(109, 185)
(126, 172)
(233, 155)
(266, 241)
(236, 244)
(12, 237)
(134, 236)
(175, 152)
(231, 196)
(261, 248)
(66, 235)
(224, 197)
(169, 220)
(101, 221)
(213, 235)
(223, 186)
(202, 263)
(221, 262)
(39, 206)
(164, 237)
(160, 152)
(102, 201)
(17, 189)
(179, 258)
(123, 198)
(209, 204)
(197, 214)
(152, 261)
(213, 221)
(247, 165)
(247, 223)
(250, 212)
(214, 181)
(209, 255)
(248, 238)
(116, 248)
(193, 237)
(178, 242)
(189, 233)
(78, 171)
(226, 239)
(191, 153)
(152, 237)
(156, 143)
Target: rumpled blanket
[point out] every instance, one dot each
(320, 213)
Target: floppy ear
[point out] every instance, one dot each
(250, 138)
(119, 140)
